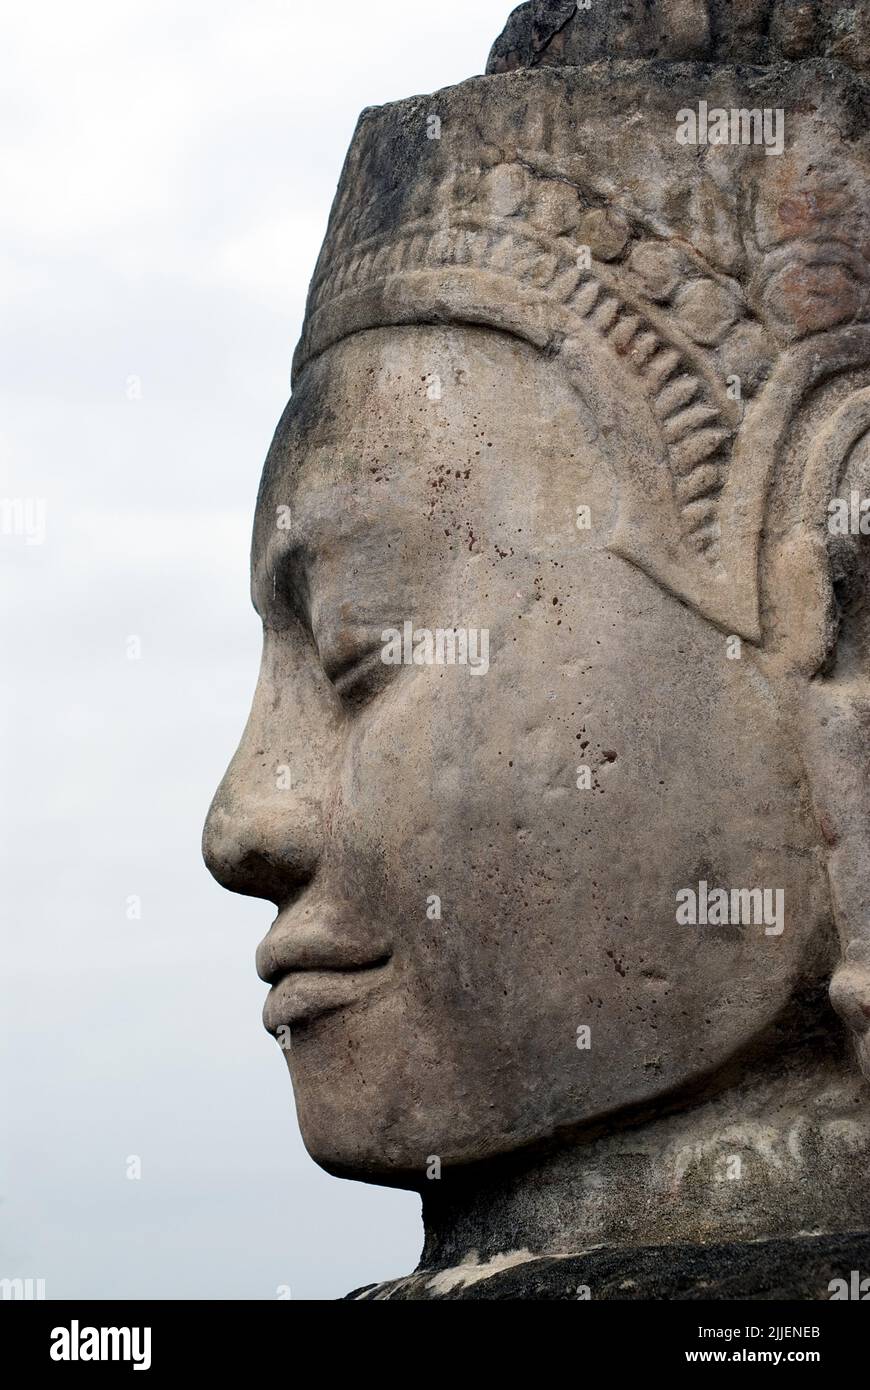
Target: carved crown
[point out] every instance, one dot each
(558, 205)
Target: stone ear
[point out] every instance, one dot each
(816, 561)
(781, 477)
(774, 577)
(822, 606)
(834, 510)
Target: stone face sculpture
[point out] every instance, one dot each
(557, 768)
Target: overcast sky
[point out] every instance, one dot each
(166, 170)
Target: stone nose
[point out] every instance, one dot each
(262, 834)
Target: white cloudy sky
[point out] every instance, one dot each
(166, 172)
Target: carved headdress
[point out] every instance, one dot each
(709, 300)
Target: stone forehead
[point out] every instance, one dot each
(559, 205)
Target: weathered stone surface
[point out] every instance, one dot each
(806, 1267)
(553, 32)
(570, 382)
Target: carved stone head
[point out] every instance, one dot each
(564, 666)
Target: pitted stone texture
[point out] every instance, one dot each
(559, 33)
(804, 1268)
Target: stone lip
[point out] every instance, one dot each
(801, 1267)
(556, 33)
